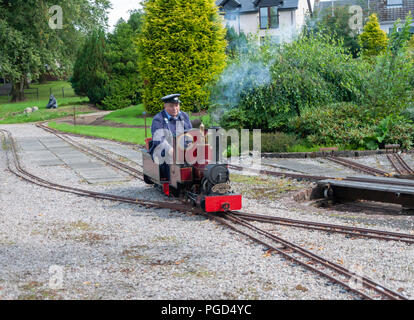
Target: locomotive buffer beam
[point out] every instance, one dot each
(378, 191)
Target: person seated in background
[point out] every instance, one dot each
(167, 124)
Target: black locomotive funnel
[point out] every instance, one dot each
(215, 139)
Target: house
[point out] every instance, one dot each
(281, 20)
(388, 11)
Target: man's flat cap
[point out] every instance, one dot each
(171, 98)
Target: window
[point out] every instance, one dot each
(394, 3)
(269, 17)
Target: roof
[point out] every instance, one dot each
(245, 6)
(384, 12)
(340, 3)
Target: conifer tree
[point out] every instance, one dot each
(373, 40)
(182, 49)
(90, 73)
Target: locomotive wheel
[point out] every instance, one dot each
(147, 180)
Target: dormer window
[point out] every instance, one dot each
(394, 3)
(269, 17)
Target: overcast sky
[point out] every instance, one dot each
(120, 9)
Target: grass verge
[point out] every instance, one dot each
(133, 116)
(132, 135)
(42, 114)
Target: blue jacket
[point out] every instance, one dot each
(163, 120)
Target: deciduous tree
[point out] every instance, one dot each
(32, 47)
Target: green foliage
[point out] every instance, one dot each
(399, 39)
(388, 85)
(106, 69)
(410, 47)
(125, 83)
(30, 48)
(373, 40)
(352, 126)
(278, 142)
(235, 42)
(266, 86)
(335, 22)
(182, 48)
(90, 73)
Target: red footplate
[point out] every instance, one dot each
(223, 203)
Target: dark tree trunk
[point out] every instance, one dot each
(42, 78)
(18, 91)
(26, 84)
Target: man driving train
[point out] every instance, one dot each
(167, 124)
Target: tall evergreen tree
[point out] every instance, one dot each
(373, 40)
(125, 84)
(90, 73)
(183, 49)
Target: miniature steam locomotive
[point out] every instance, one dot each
(205, 183)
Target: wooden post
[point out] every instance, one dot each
(145, 123)
(74, 115)
(63, 92)
(37, 93)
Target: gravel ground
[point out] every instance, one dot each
(55, 245)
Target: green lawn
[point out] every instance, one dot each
(44, 92)
(133, 135)
(13, 112)
(130, 116)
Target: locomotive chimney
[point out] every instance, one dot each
(215, 140)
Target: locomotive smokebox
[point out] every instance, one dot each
(215, 139)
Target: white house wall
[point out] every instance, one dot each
(290, 22)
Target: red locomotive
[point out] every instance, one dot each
(205, 183)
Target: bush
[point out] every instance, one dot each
(269, 84)
(352, 127)
(278, 142)
(388, 86)
(182, 48)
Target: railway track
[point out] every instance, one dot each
(358, 167)
(280, 174)
(399, 164)
(365, 287)
(235, 221)
(330, 228)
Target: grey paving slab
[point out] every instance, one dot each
(123, 151)
(52, 151)
(30, 144)
(86, 165)
(55, 162)
(38, 153)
